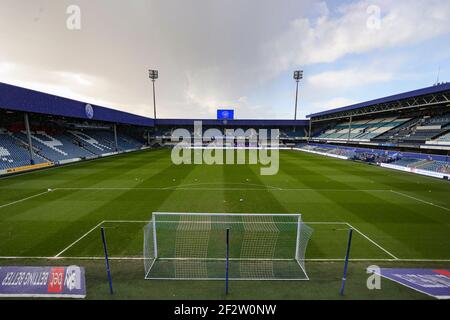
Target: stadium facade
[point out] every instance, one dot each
(408, 131)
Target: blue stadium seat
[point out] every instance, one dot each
(14, 154)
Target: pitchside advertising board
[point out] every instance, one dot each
(56, 282)
(433, 282)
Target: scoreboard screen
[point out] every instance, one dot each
(223, 114)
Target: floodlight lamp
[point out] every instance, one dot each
(298, 75)
(153, 74)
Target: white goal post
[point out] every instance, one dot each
(193, 246)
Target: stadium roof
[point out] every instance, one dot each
(394, 98)
(26, 100)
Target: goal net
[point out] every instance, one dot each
(193, 246)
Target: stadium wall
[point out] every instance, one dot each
(27, 168)
(416, 171)
(434, 157)
(322, 153)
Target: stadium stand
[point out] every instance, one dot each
(54, 126)
(59, 146)
(407, 162)
(444, 138)
(410, 130)
(328, 150)
(63, 130)
(362, 130)
(96, 142)
(428, 128)
(437, 166)
(14, 153)
(420, 161)
(381, 127)
(415, 119)
(53, 147)
(395, 134)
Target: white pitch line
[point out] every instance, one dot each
(24, 199)
(351, 259)
(165, 189)
(266, 186)
(79, 239)
(146, 221)
(384, 260)
(103, 258)
(58, 256)
(25, 257)
(222, 189)
(126, 221)
(325, 222)
(142, 258)
(373, 242)
(424, 260)
(420, 200)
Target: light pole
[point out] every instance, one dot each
(298, 75)
(153, 75)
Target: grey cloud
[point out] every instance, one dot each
(209, 53)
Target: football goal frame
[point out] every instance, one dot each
(225, 246)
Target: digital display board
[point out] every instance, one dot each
(225, 114)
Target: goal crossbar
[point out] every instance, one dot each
(227, 214)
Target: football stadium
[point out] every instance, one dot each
(380, 168)
(343, 203)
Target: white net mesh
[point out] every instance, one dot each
(193, 246)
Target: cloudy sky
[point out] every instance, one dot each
(224, 53)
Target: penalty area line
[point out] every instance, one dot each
(24, 199)
(373, 242)
(78, 240)
(420, 200)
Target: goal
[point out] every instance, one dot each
(195, 246)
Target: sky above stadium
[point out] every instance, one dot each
(237, 54)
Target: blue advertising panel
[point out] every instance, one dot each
(225, 114)
(433, 282)
(56, 282)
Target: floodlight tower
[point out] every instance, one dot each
(153, 75)
(298, 75)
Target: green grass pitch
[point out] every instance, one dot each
(399, 220)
